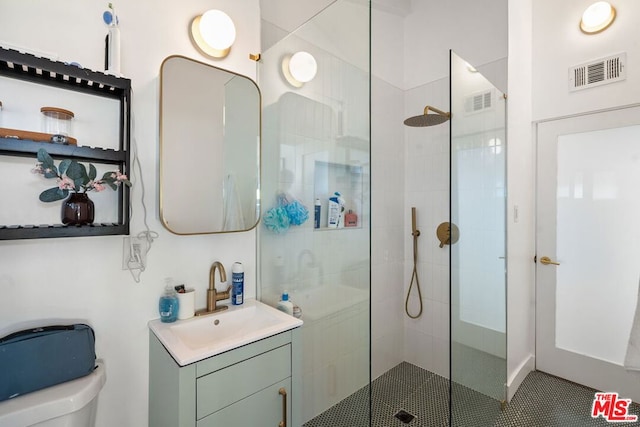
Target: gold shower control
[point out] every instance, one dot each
(447, 233)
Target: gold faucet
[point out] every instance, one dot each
(213, 295)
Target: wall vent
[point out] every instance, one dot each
(599, 72)
(478, 102)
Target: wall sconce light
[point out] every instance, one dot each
(213, 33)
(597, 17)
(299, 68)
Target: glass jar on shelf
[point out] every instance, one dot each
(57, 122)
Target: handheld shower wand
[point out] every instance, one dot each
(414, 276)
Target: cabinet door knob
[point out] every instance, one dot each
(283, 392)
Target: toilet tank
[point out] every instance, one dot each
(70, 404)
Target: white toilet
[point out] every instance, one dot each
(70, 404)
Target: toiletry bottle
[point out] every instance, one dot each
(316, 214)
(237, 280)
(341, 214)
(333, 211)
(168, 305)
(285, 305)
(350, 219)
(297, 312)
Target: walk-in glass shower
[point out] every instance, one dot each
(315, 235)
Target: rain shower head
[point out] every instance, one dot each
(432, 116)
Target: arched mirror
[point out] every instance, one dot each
(209, 148)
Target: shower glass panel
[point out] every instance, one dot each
(316, 143)
(478, 265)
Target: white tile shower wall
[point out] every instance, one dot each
(387, 226)
(427, 189)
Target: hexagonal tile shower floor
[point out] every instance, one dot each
(542, 401)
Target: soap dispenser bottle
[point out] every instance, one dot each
(168, 305)
(285, 305)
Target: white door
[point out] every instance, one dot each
(588, 222)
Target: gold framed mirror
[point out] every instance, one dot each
(210, 133)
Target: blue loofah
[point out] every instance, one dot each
(276, 219)
(296, 212)
(288, 212)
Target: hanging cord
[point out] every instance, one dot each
(415, 233)
(135, 267)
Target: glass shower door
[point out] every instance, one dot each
(316, 144)
(478, 248)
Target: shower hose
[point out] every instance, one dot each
(414, 276)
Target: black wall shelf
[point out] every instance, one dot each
(27, 67)
(15, 232)
(26, 148)
(30, 68)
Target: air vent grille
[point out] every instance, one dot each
(598, 72)
(478, 102)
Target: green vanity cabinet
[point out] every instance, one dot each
(254, 385)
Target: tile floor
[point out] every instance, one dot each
(541, 401)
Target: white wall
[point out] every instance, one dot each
(520, 187)
(538, 90)
(387, 192)
(556, 24)
(475, 30)
(81, 277)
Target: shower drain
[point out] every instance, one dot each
(404, 416)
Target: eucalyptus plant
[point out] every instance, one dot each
(73, 176)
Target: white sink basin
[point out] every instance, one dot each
(197, 338)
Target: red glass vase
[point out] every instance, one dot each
(78, 209)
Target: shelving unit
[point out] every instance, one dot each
(30, 68)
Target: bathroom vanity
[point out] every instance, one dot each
(250, 385)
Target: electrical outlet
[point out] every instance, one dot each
(134, 253)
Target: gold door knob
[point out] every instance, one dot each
(546, 261)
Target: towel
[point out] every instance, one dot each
(233, 218)
(632, 359)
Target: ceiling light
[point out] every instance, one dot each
(597, 17)
(299, 68)
(213, 33)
